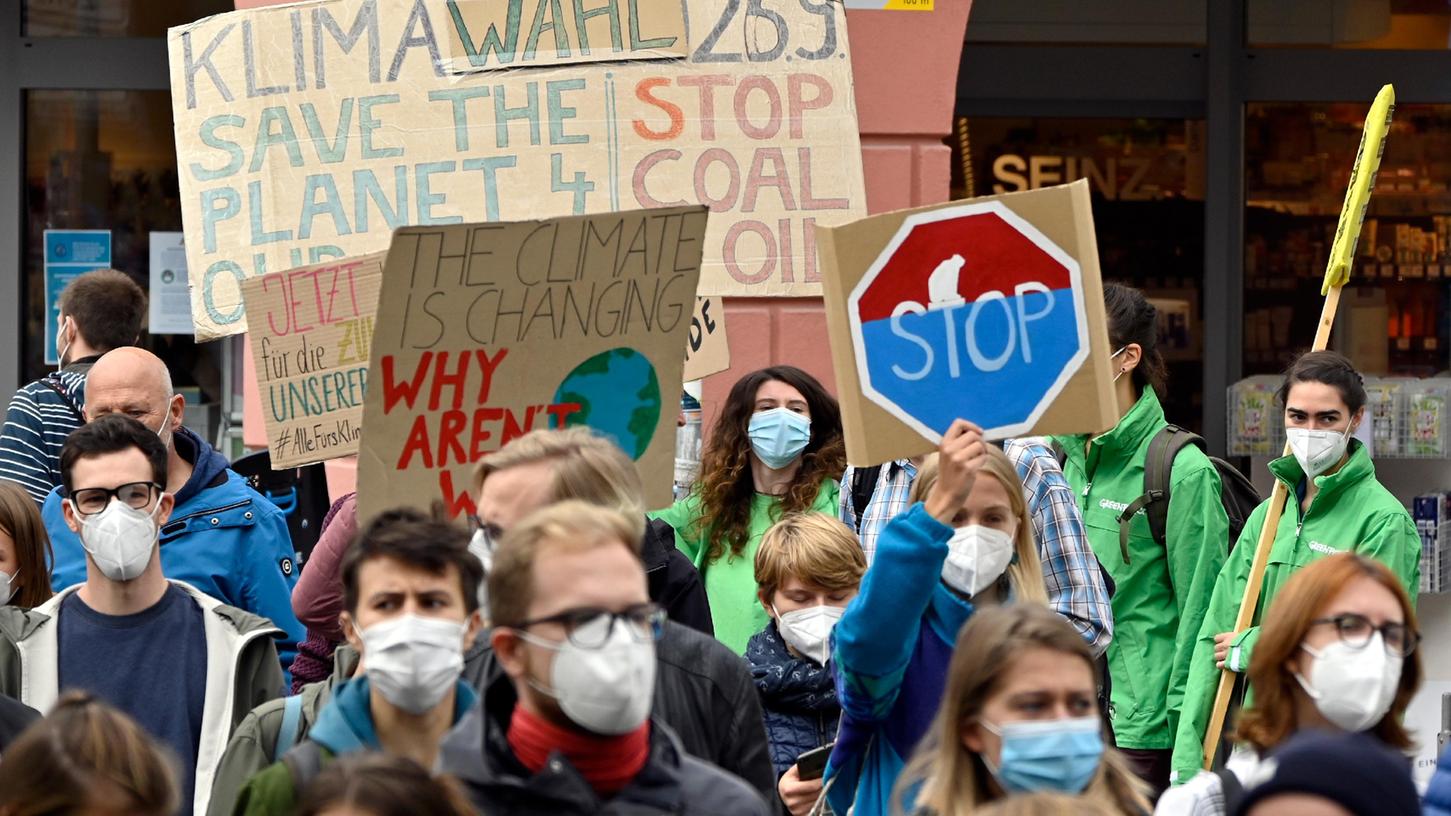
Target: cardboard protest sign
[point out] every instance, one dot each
(487, 331)
(311, 131)
(312, 331)
(708, 351)
(989, 309)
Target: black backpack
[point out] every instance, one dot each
(1237, 493)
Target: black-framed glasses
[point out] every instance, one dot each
(493, 533)
(136, 495)
(1356, 631)
(590, 627)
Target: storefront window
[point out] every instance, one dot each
(1374, 24)
(113, 18)
(1147, 179)
(1109, 22)
(106, 160)
(1394, 310)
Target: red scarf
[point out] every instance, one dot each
(607, 763)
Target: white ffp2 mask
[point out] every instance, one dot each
(976, 557)
(412, 660)
(1317, 451)
(1352, 688)
(607, 690)
(120, 539)
(808, 630)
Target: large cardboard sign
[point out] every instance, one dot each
(708, 351)
(487, 331)
(311, 131)
(990, 310)
(312, 333)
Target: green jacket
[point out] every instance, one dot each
(1351, 513)
(730, 582)
(1160, 592)
(242, 669)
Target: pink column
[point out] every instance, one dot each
(905, 70)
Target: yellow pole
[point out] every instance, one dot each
(1337, 272)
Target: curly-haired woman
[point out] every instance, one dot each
(776, 449)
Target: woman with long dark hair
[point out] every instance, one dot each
(1336, 505)
(25, 553)
(776, 448)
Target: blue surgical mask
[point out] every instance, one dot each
(778, 436)
(1048, 755)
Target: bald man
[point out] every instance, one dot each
(223, 537)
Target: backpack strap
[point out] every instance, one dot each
(53, 383)
(291, 717)
(303, 764)
(1230, 788)
(1158, 470)
(863, 486)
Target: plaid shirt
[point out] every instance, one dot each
(1071, 572)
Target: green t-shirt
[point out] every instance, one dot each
(730, 582)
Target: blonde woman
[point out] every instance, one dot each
(1019, 716)
(966, 543)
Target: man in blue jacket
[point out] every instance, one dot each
(223, 537)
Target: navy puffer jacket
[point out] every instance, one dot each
(798, 698)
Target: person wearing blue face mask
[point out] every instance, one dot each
(776, 448)
(1019, 716)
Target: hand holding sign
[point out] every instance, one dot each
(959, 458)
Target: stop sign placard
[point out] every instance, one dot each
(969, 312)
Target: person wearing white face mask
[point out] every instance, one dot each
(966, 542)
(1337, 506)
(1337, 652)
(808, 567)
(567, 728)
(410, 589)
(185, 666)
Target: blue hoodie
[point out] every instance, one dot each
(891, 651)
(223, 538)
(345, 724)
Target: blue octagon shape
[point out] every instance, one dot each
(969, 312)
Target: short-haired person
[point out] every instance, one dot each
(567, 729)
(99, 311)
(1337, 652)
(776, 448)
(1019, 716)
(86, 757)
(24, 550)
(185, 666)
(808, 568)
(411, 590)
(381, 785)
(703, 691)
(966, 543)
(1337, 506)
(223, 537)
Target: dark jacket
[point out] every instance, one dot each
(15, 717)
(673, 580)
(797, 695)
(477, 753)
(703, 691)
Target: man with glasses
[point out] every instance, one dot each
(566, 729)
(222, 537)
(410, 588)
(182, 664)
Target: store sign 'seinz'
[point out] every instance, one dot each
(312, 131)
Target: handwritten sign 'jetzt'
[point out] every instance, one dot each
(312, 331)
(310, 131)
(488, 331)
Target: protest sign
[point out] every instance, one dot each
(311, 131)
(707, 351)
(485, 33)
(487, 331)
(989, 309)
(312, 331)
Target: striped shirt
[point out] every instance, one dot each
(1071, 572)
(36, 425)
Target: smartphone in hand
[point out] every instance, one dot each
(812, 764)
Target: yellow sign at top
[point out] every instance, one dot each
(891, 5)
(1357, 193)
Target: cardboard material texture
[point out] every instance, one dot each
(1062, 215)
(310, 131)
(485, 35)
(487, 331)
(707, 351)
(312, 331)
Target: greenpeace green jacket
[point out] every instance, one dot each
(1352, 512)
(1161, 591)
